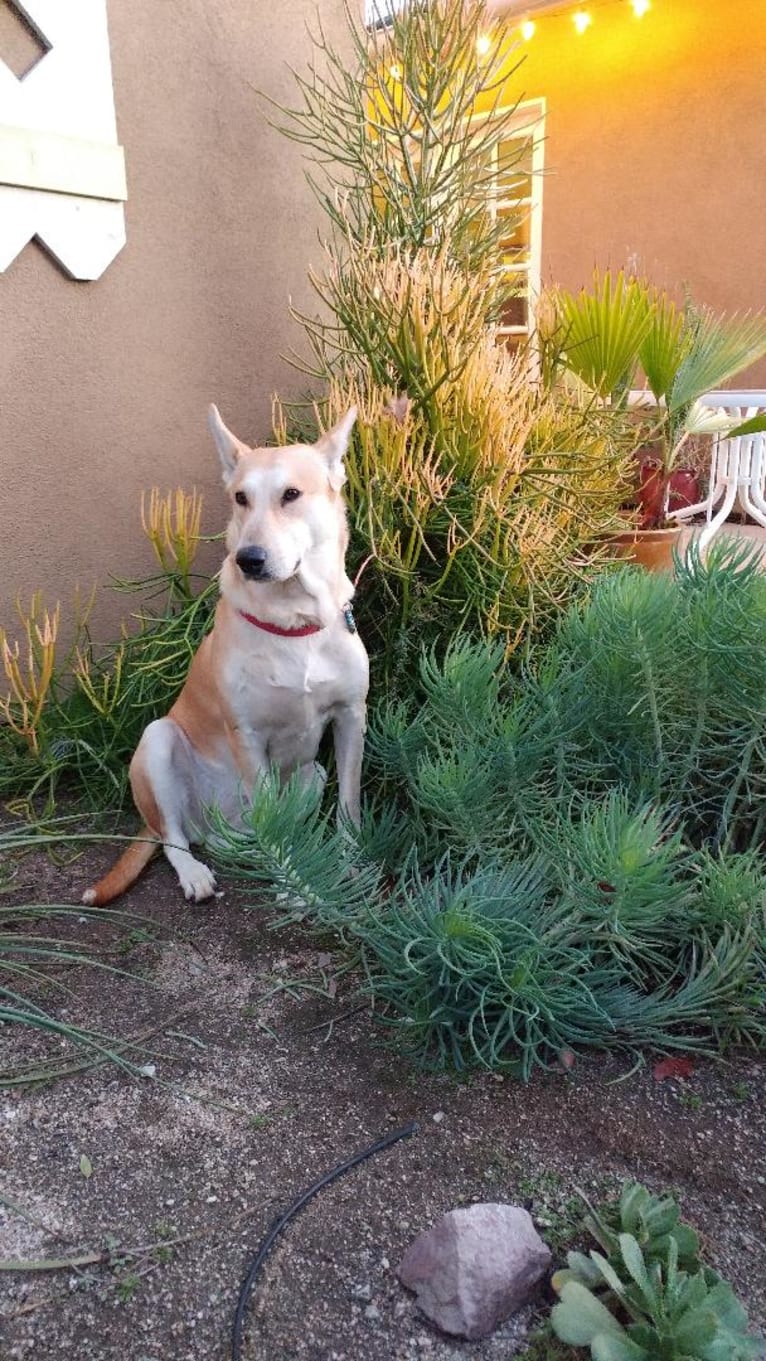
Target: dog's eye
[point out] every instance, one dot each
(240, 498)
(290, 494)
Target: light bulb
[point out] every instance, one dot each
(528, 29)
(483, 44)
(640, 7)
(582, 20)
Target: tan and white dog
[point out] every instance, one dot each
(282, 661)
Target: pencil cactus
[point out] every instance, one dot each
(477, 500)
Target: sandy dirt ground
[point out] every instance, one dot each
(267, 1069)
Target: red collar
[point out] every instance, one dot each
(281, 633)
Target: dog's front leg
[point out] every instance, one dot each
(164, 775)
(349, 725)
(251, 760)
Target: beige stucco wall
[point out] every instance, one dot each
(104, 386)
(655, 145)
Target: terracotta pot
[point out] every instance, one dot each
(650, 548)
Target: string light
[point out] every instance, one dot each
(582, 20)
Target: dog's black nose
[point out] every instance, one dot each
(252, 561)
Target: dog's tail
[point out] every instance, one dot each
(125, 871)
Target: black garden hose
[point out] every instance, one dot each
(284, 1219)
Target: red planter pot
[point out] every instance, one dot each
(684, 491)
(685, 488)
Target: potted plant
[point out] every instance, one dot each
(626, 344)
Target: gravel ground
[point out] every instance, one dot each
(262, 1081)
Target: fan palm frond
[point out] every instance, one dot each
(665, 345)
(720, 349)
(605, 328)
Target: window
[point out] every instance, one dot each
(514, 194)
(378, 12)
(516, 199)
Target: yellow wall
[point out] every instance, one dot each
(656, 146)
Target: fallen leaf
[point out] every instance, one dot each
(86, 1166)
(675, 1067)
(567, 1059)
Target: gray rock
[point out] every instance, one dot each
(475, 1267)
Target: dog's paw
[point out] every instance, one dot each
(197, 882)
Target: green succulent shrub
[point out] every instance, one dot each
(561, 859)
(672, 1315)
(652, 686)
(648, 1296)
(651, 1220)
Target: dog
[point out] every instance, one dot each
(282, 661)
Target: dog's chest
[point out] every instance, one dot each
(284, 699)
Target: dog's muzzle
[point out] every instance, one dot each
(252, 563)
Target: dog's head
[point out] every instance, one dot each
(286, 502)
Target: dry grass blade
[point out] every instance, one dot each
(31, 959)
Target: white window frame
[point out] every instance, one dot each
(528, 122)
(378, 13)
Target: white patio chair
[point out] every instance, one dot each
(737, 468)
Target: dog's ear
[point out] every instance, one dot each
(333, 445)
(230, 449)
